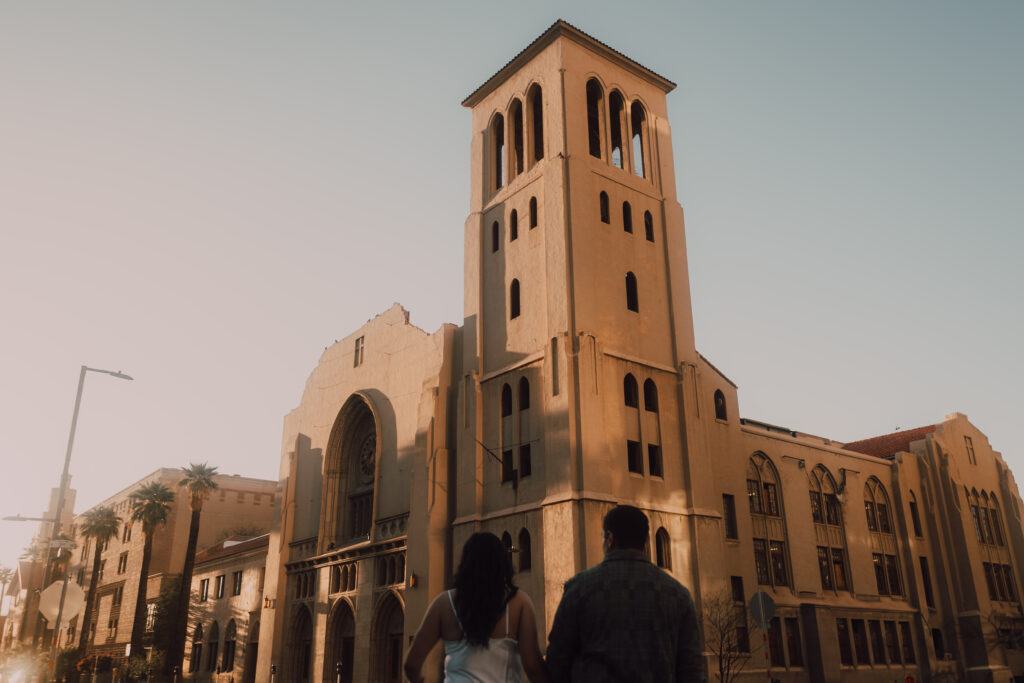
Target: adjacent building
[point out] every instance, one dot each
(574, 384)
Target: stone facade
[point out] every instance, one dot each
(574, 384)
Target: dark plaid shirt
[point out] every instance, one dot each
(625, 620)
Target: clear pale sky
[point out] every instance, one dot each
(205, 195)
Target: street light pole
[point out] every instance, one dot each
(61, 494)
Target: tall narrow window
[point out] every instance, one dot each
(638, 121)
(825, 514)
(516, 116)
(513, 226)
(533, 212)
(876, 508)
(357, 359)
(506, 540)
(914, 516)
(524, 393)
(634, 459)
(843, 632)
(535, 104)
(228, 658)
(507, 466)
(770, 557)
(627, 217)
(729, 516)
(513, 300)
(969, 445)
(498, 152)
(630, 391)
(495, 236)
(632, 298)
(525, 558)
(615, 114)
(605, 210)
(595, 102)
(926, 581)
(794, 645)
(650, 396)
(654, 460)
(506, 400)
(648, 226)
(664, 549)
(720, 412)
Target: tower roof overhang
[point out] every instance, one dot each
(563, 29)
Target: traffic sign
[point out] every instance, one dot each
(762, 609)
(49, 601)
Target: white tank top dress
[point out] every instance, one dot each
(497, 663)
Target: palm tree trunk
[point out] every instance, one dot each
(139, 622)
(176, 651)
(90, 601)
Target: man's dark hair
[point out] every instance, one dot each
(629, 527)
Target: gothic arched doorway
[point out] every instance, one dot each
(386, 646)
(300, 647)
(340, 646)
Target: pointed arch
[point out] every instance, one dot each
(616, 121)
(386, 639)
(720, 409)
(515, 115)
(525, 550)
(350, 463)
(195, 660)
(630, 391)
(638, 128)
(227, 662)
(506, 540)
(340, 642)
(632, 295)
(663, 549)
(826, 513)
(627, 218)
(213, 642)
(771, 556)
(650, 396)
(513, 226)
(513, 300)
(497, 147)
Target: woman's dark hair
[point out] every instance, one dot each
(483, 584)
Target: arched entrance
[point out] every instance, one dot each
(350, 468)
(300, 647)
(386, 644)
(340, 646)
(252, 653)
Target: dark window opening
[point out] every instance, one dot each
(517, 137)
(506, 400)
(595, 100)
(654, 460)
(498, 151)
(720, 412)
(843, 632)
(632, 298)
(524, 393)
(630, 392)
(650, 396)
(775, 643)
(525, 465)
(916, 519)
(535, 102)
(648, 226)
(663, 554)
(513, 226)
(877, 642)
(605, 211)
(506, 466)
(738, 596)
(793, 642)
(908, 643)
(615, 112)
(637, 121)
(525, 558)
(495, 236)
(938, 643)
(926, 581)
(729, 516)
(634, 458)
(860, 641)
(627, 217)
(513, 300)
(533, 212)
(892, 643)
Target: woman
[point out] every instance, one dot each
(486, 623)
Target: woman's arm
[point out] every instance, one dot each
(529, 647)
(425, 640)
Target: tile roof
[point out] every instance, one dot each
(888, 445)
(232, 546)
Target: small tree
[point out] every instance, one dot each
(727, 635)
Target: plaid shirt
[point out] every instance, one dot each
(625, 620)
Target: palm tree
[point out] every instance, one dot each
(151, 504)
(99, 525)
(198, 479)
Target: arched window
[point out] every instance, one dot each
(630, 391)
(513, 300)
(827, 516)
(524, 393)
(637, 124)
(533, 212)
(516, 119)
(400, 569)
(649, 226)
(627, 217)
(535, 105)
(632, 298)
(769, 533)
(663, 549)
(525, 559)
(211, 647)
(196, 659)
(605, 211)
(616, 105)
(915, 514)
(498, 152)
(506, 400)
(885, 555)
(335, 579)
(650, 396)
(513, 225)
(495, 236)
(595, 102)
(720, 411)
(227, 660)
(506, 540)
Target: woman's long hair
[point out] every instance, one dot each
(483, 584)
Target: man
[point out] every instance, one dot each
(625, 620)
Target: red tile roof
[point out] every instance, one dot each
(234, 546)
(888, 445)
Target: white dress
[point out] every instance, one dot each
(497, 663)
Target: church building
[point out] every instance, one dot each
(573, 384)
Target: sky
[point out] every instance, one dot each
(206, 195)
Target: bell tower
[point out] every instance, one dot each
(578, 352)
